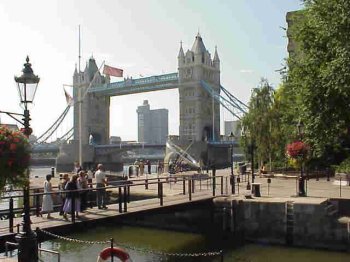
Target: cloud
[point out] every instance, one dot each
(246, 71)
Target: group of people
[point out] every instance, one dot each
(75, 188)
(138, 168)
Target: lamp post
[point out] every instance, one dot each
(302, 192)
(232, 177)
(27, 242)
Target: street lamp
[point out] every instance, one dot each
(302, 192)
(232, 177)
(27, 241)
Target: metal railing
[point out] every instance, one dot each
(123, 188)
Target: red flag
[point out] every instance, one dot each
(112, 71)
(69, 99)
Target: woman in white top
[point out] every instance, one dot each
(47, 205)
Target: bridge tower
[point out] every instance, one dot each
(199, 112)
(94, 118)
(95, 109)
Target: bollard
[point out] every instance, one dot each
(146, 184)
(52, 172)
(226, 188)
(340, 187)
(328, 175)
(238, 181)
(268, 186)
(190, 189)
(11, 215)
(120, 200)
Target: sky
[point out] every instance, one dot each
(142, 38)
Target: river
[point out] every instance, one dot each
(177, 242)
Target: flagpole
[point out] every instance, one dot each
(80, 110)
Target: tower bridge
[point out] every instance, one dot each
(198, 82)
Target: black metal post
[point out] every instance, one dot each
(190, 189)
(73, 207)
(112, 255)
(11, 215)
(125, 200)
(232, 178)
(302, 181)
(52, 172)
(193, 184)
(183, 186)
(161, 193)
(120, 200)
(214, 180)
(37, 203)
(27, 240)
(222, 185)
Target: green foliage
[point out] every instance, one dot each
(263, 123)
(344, 166)
(318, 79)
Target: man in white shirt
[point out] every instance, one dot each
(101, 182)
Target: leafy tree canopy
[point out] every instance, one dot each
(318, 78)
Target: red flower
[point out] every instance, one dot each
(13, 147)
(297, 149)
(9, 163)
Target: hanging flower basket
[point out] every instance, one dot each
(14, 158)
(297, 150)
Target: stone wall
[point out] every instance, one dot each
(302, 222)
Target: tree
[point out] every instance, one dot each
(318, 79)
(260, 120)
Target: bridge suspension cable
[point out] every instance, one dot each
(68, 135)
(232, 104)
(48, 133)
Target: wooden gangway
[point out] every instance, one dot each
(161, 192)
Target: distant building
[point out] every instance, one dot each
(232, 126)
(115, 140)
(152, 124)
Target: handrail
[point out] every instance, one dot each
(51, 252)
(124, 191)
